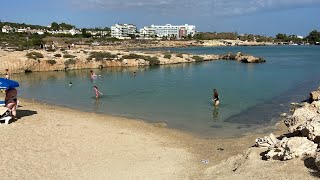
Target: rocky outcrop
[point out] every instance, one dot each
(289, 148)
(245, 58)
(304, 138)
(18, 62)
(300, 116)
(315, 95)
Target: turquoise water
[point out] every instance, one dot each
(251, 95)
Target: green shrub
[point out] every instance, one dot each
(57, 55)
(51, 62)
(34, 55)
(132, 56)
(152, 60)
(198, 58)
(99, 56)
(69, 62)
(180, 55)
(167, 56)
(69, 56)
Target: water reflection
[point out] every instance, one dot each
(96, 104)
(215, 112)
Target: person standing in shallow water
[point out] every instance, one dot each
(92, 75)
(97, 92)
(215, 97)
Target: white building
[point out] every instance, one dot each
(123, 31)
(171, 31)
(147, 32)
(7, 29)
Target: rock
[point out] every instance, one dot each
(316, 104)
(283, 114)
(267, 141)
(245, 58)
(315, 95)
(295, 104)
(300, 116)
(317, 160)
(311, 129)
(289, 148)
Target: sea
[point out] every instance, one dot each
(252, 96)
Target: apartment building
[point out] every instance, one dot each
(147, 32)
(123, 31)
(169, 31)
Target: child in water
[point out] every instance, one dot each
(92, 75)
(97, 92)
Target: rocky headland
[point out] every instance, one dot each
(61, 59)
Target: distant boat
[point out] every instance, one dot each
(317, 43)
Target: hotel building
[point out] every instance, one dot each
(168, 31)
(123, 31)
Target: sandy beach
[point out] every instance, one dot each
(51, 142)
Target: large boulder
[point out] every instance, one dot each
(300, 116)
(294, 147)
(311, 129)
(245, 58)
(315, 95)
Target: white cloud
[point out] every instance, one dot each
(201, 7)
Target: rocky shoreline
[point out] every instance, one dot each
(59, 60)
(303, 137)
(290, 152)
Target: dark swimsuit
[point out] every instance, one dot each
(216, 96)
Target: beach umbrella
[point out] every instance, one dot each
(8, 84)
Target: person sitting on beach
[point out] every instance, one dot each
(92, 75)
(97, 92)
(215, 97)
(11, 101)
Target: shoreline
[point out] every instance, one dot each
(40, 120)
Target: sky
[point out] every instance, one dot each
(263, 17)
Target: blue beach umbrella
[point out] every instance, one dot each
(8, 84)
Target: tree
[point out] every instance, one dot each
(281, 36)
(66, 26)
(55, 26)
(84, 33)
(314, 36)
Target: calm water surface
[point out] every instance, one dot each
(251, 95)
